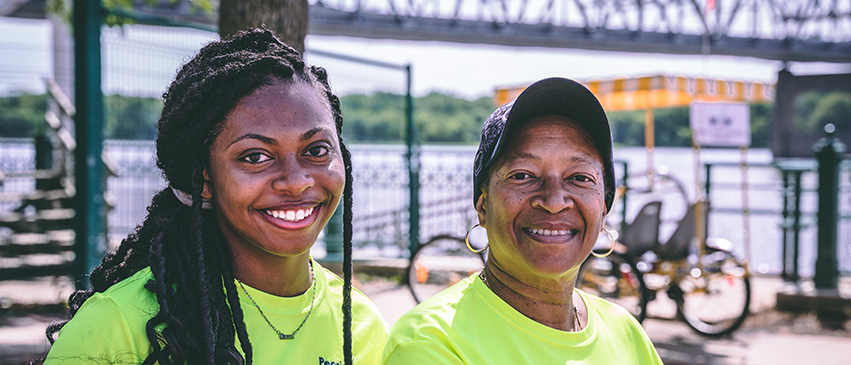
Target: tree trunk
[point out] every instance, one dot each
(287, 18)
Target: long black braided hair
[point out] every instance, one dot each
(183, 245)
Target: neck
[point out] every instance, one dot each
(549, 302)
(284, 277)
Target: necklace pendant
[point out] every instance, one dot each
(286, 336)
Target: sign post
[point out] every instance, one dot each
(723, 125)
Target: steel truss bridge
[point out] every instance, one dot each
(787, 30)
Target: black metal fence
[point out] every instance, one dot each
(140, 61)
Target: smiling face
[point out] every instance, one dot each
(543, 205)
(276, 172)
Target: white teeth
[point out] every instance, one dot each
(291, 215)
(547, 232)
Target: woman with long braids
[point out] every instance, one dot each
(219, 272)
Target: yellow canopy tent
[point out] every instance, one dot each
(661, 91)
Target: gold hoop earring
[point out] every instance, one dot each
(611, 249)
(467, 240)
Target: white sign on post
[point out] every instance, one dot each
(720, 124)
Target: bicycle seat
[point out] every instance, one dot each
(677, 246)
(642, 234)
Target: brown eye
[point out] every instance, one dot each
(582, 178)
(520, 176)
(318, 151)
(256, 158)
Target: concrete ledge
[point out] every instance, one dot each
(379, 267)
(828, 303)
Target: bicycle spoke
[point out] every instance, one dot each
(716, 302)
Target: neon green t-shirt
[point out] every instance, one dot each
(110, 327)
(469, 324)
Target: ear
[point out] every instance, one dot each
(207, 193)
(480, 208)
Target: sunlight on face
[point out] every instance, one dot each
(544, 204)
(276, 172)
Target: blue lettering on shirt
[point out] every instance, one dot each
(322, 361)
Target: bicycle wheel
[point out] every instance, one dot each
(716, 301)
(440, 263)
(616, 279)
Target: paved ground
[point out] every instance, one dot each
(767, 337)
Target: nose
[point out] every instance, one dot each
(292, 177)
(553, 197)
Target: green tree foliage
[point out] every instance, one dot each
(671, 126)
(128, 117)
(442, 118)
(627, 127)
(761, 115)
(835, 107)
(21, 115)
(438, 118)
(815, 109)
(115, 9)
(379, 117)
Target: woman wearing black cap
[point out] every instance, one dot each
(543, 183)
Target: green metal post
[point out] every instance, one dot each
(707, 186)
(625, 197)
(88, 167)
(44, 160)
(786, 225)
(796, 226)
(829, 154)
(413, 157)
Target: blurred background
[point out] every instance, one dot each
(416, 80)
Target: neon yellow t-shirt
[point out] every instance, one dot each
(469, 324)
(110, 327)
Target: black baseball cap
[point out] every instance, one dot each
(556, 96)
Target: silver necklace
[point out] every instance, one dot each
(575, 311)
(282, 335)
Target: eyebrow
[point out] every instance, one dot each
(258, 137)
(267, 140)
(312, 132)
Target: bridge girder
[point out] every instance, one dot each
(787, 30)
(793, 30)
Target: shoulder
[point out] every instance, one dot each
(617, 326)
(364, 311)
(609, 313)
(109, 326)
(430, 327)
(369, 329)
